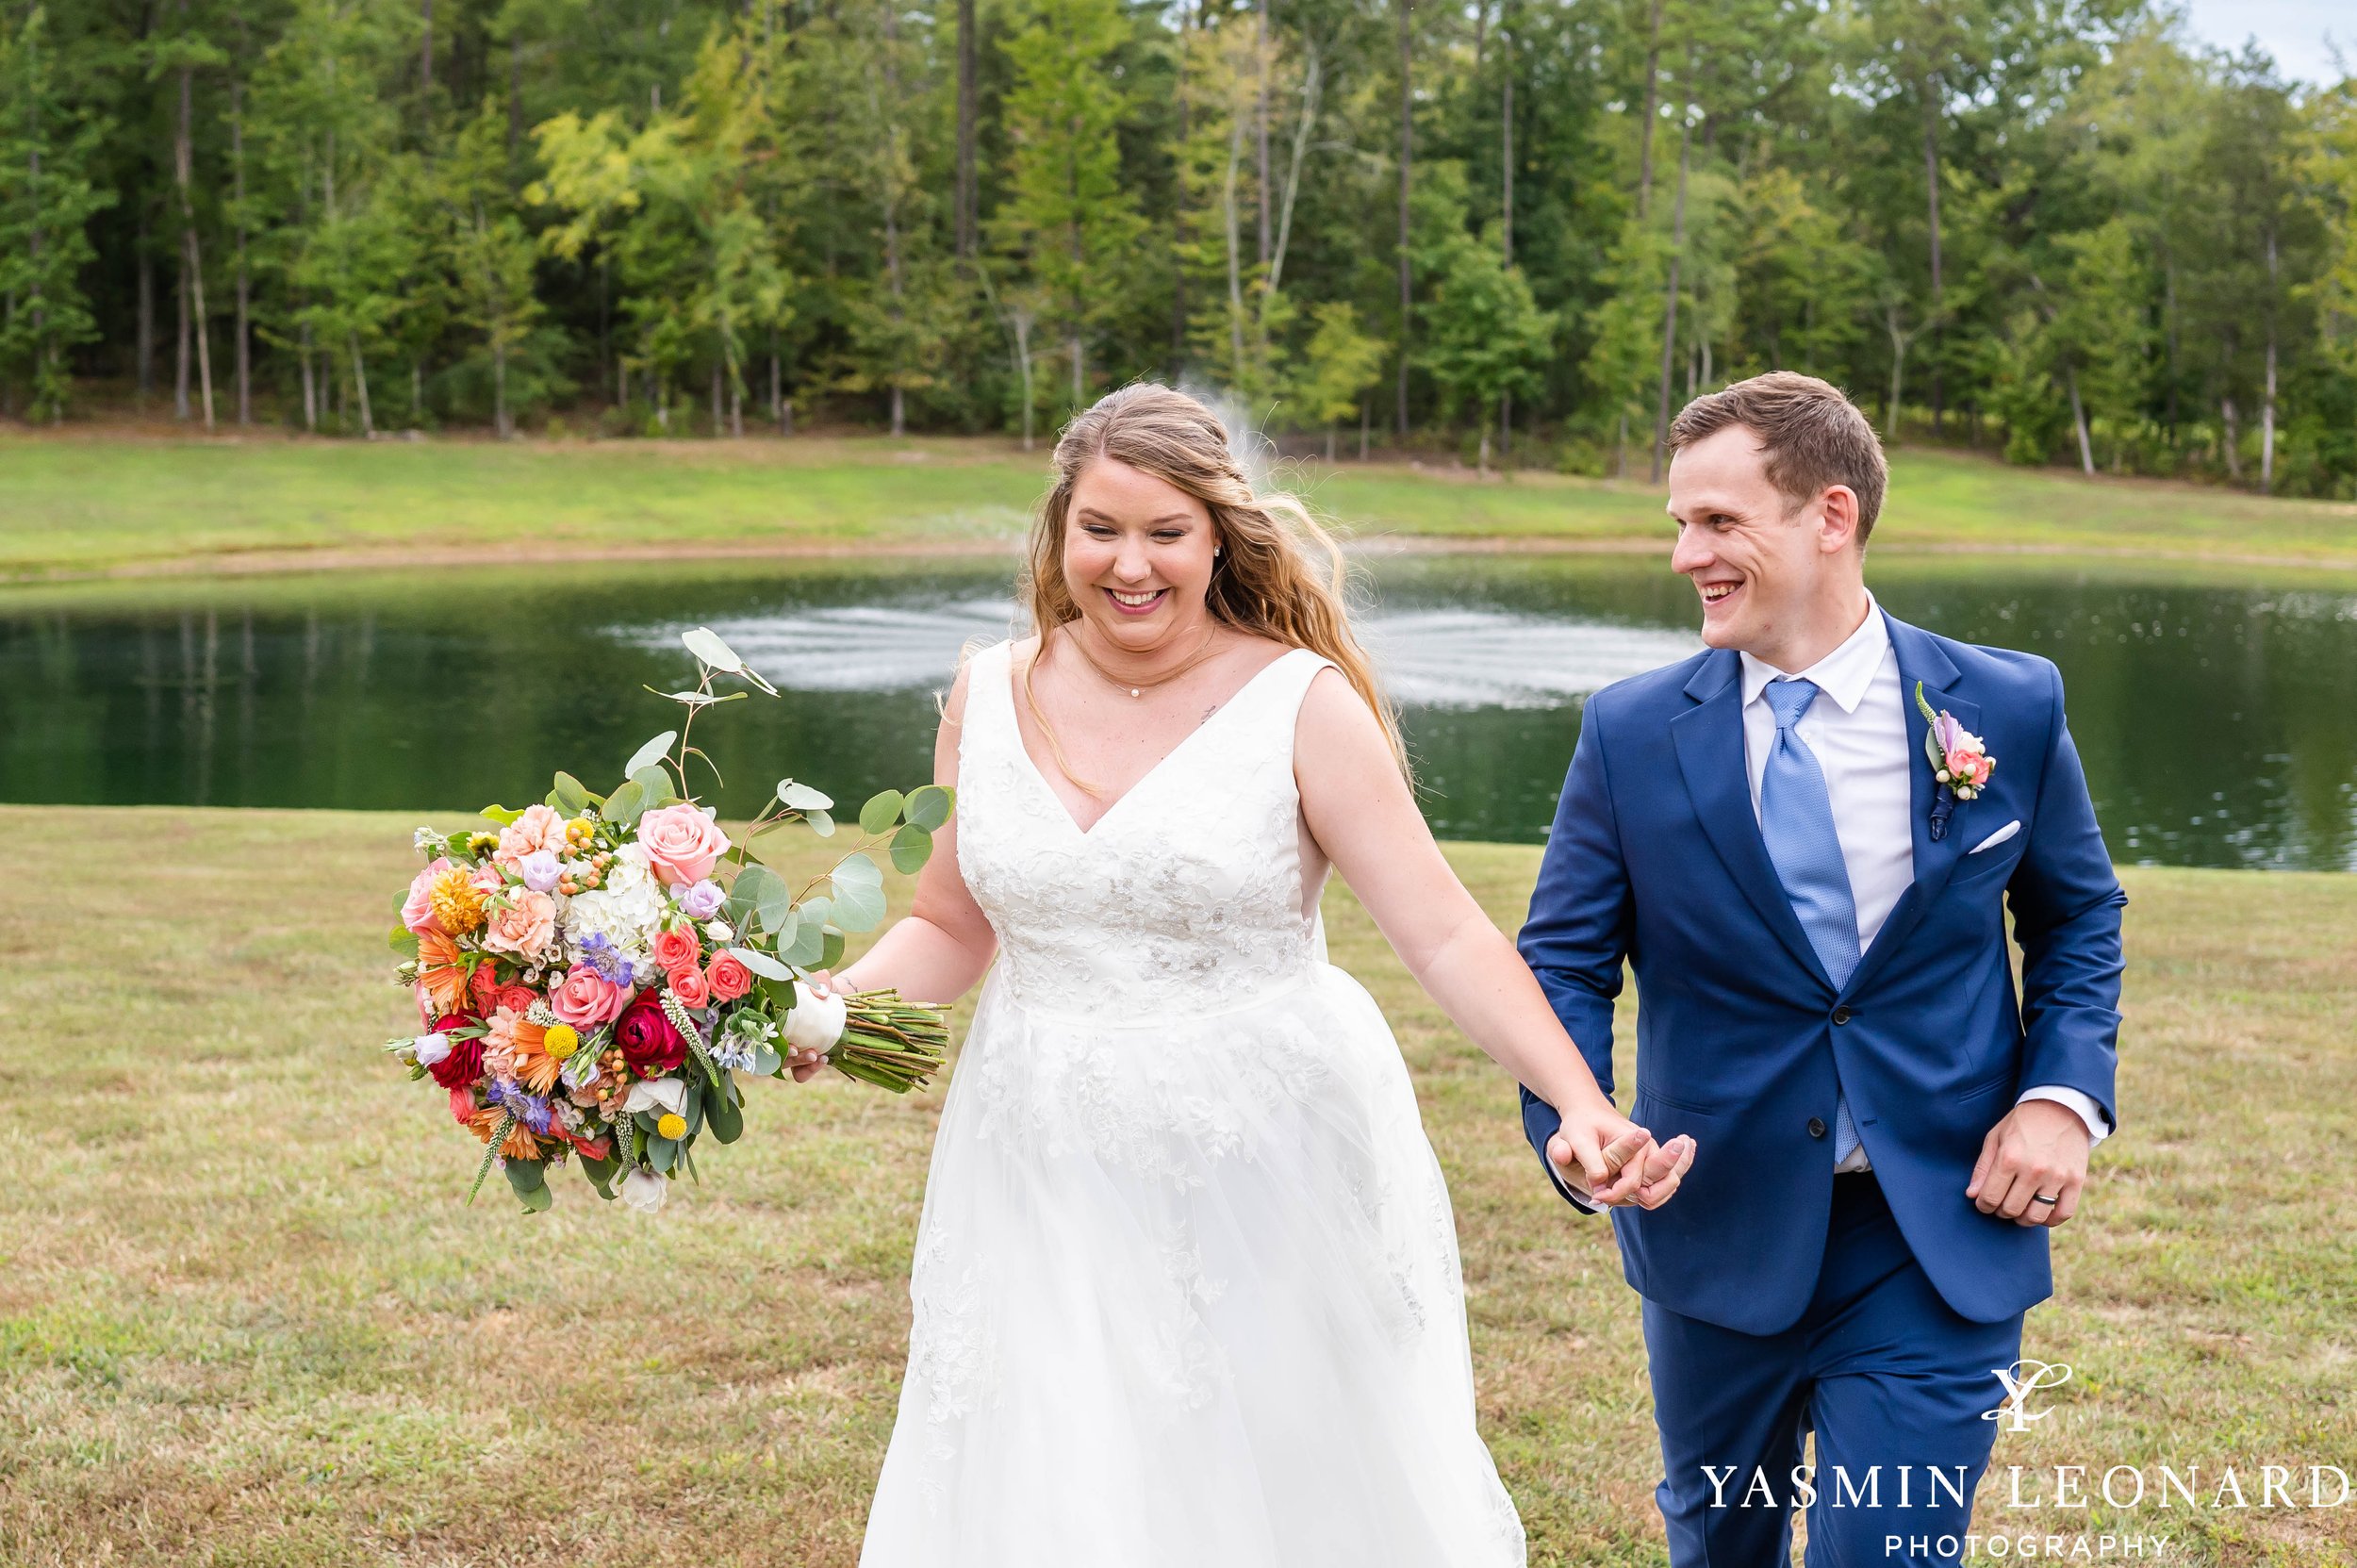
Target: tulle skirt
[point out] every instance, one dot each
(1187, 1296)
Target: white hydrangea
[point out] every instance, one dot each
(627, 911)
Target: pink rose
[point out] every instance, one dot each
(538, 828)
(525, 926)
(689, 986)
(517, 998)
(417, 910)
(728, 977)
(675, 949)
(682, 842)
(585, 998)
(487, 879)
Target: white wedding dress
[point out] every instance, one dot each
(1186, 1285)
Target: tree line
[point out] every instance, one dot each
(1529, 228)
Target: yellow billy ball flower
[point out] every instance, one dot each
(562, 1041)
(672, 1125)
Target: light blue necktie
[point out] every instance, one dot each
(1796, 819)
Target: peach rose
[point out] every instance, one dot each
(417, 910)
(585, 998)
(525, 926)
(517, 998)
(682, 842)
(483, 989)
(689, 986)
(538, 828)
(675, 949)
(728, 977)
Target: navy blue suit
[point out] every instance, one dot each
(1778, 1297)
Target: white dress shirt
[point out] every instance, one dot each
(1858, 727)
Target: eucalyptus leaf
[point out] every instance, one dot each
(775, 905)
(912, 846)
(698, 699)
(880, 812)
(830, 954)
(706, 645)
(571, 795)
(654, 751)
(625, 805)
(403, 941)
(817, 911)
(928, 807)
(753, 884)
(857, 870)
(539, 1200)
(721, 1113)
(524, 1175)
(808, 944)
(662, 1152)
(501, 815)
(766, 1061)
(761, 963)
(801, 797)
(656, 781)
(857, 907)
(820, 823)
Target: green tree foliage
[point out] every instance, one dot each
(2058, 229)
(46, 202)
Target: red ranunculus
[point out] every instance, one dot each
(649, 1044)
(517, 998)
(464, 1063)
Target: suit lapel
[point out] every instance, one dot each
(1710, 741)
(1920, 658)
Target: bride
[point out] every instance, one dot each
(1186, 1285)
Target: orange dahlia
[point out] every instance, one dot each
(457, 903)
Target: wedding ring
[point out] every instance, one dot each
(2041, 1198)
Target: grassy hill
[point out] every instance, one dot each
(89, 505)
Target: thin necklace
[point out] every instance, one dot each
(1141, 687)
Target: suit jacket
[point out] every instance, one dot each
(1655, 861)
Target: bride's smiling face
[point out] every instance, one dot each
(1137, 555)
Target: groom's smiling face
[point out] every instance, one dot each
(1767, 569)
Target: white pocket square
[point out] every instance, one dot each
(1998, 837)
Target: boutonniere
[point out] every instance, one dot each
(1960, 762)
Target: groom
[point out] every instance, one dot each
(1817, 920)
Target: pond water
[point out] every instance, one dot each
(2218, 721)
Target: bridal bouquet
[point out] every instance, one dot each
(596, 976)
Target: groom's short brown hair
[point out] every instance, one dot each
(1809, 434)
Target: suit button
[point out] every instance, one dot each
(1816, 1127)
(1841, 1015)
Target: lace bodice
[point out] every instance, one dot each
(1186, 897)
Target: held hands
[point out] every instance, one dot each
(2039, 1151)
(805, 1064)
(1612, 1163)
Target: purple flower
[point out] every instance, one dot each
(540, 871)
(604, 957)
(702, 900)
(530, 1109)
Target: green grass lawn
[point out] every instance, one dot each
(245, 1321)
(89, 505)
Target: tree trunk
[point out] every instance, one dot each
(1179, 214)
(2267, 409)
(777, 393)
(1651, 110)
(2234, 437)
(311, 383)
(1898, 367)
(1931, 186)
(968, 111)
(1407, 153)
(515, 91)
(143, 354)
(1506, 145)
(180, 356)
(1023, 369)
(2169, 313)
(193, 319)
(426, 49)
(892, 210)
(245, 293)
(1233, 223)
(1481, 463)
(360, 388)
(1329, 442)
(2079, 421)
(717, 424)
(500, 420)
(1260, 125)
(1365, 420)
(1669, 309)
(736, 408)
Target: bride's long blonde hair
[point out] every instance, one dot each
(1280, 574)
